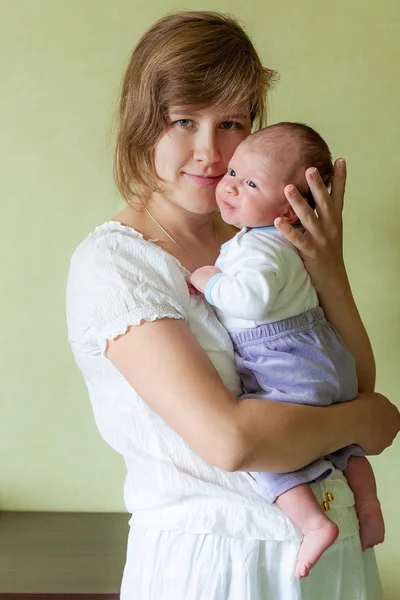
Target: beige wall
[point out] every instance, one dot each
(61, 64)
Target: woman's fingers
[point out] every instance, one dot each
(293, 235)
(307, 216)
(382, 420)
(323, 201)
(301, 207)
(339, 184)
(320, 242)
(328, 220)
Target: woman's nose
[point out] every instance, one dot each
(206, 148)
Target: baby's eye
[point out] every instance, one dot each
(184, 122)
(231, 172)
(251, 184)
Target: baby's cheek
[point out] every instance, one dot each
(219, 189)
(252, 215)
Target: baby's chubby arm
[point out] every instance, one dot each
(247, 289)
(200, 277)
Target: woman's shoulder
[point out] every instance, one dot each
(118, 279)
(114, 244)
(115, 262)
(108, 236)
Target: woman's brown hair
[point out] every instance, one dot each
(186, 59)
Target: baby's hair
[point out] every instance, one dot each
(312, 149)
(190, 60)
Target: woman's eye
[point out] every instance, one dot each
(184, 122)
(251, 184)
(231, 172)
(230, 125)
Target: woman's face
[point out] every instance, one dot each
(193, 155)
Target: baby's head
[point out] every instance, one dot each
(251, 193)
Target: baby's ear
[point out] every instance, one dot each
(289, 215)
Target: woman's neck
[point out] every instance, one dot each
(196, 238)
(181, 224)
(192, 239)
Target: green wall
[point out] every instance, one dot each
(61, 65)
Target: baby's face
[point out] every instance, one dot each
(251, 192)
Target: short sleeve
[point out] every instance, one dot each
(116, 280)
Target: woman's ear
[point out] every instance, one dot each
(289, 215)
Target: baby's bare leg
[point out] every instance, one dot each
(301, 506)
(361, 479)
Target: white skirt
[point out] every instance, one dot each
(174, 565)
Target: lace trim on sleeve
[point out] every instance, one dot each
(121, 325)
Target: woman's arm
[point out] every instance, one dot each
(321, 249)
(292, 438)
(341, 310)
(164, 363)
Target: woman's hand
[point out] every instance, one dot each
(320, 245)
(378, 422)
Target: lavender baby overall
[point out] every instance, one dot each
(300, 360)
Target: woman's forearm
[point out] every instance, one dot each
(341, 310)
(237, 434)
(320, 247)
(281, 437)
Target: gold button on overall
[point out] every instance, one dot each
(329, 497)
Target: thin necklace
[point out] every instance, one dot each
(172, 239)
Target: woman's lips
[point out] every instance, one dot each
(204, 181)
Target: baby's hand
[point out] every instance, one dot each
(191, 288)
(199, 277)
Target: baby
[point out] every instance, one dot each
(285, 349)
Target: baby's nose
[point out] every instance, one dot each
(231, 187)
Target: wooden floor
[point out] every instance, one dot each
(62, 556)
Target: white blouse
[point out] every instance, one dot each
(118, 279)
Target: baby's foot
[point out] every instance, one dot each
(372, 526)
(315, 541)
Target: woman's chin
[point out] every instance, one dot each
(203, 206)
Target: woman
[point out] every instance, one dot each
(159, 366)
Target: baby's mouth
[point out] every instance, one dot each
(226, 203)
